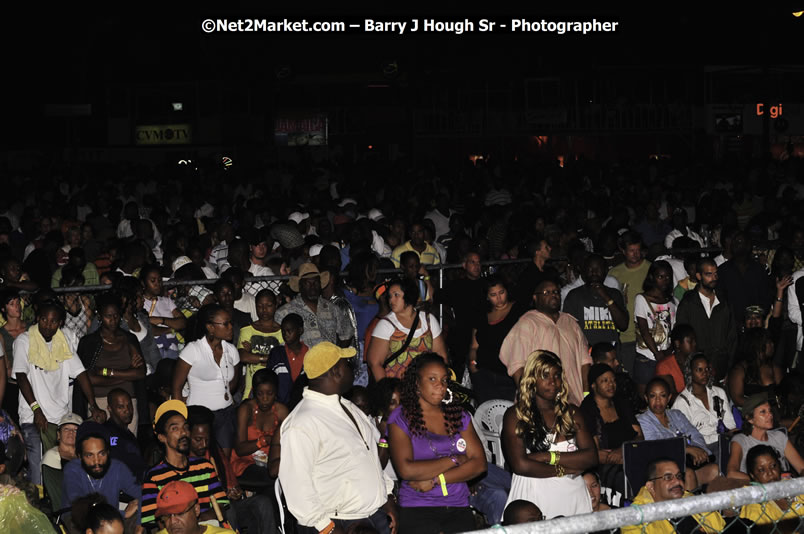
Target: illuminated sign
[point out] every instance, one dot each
(309, 130)
(163, 134)
(775, 111)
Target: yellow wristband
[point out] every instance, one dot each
(552, 458)
(105, 371)
(443, 481)
(585, 393)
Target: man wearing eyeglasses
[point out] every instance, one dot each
(548, 328)
(665, 483)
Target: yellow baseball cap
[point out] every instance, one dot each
(323, 357)
(173, 405)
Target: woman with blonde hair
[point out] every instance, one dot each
(546, 441)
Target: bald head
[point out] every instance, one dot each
(121, 409)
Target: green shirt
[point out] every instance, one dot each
(631, 281)
(90, 272)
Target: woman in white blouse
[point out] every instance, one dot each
(706, 406)
(392, 348)
(211, 367)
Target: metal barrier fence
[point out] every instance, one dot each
(679, 508)
(278, 279)
(274, 282)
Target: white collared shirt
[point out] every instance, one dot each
(701, 418)
(330, 468)
(707, 304)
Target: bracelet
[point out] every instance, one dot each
(610, 302)
(454, 460)
(327, 529)
(105, 371)
(443, 482)
(34, 406)
(779, 299)
(552, 458)
(111, 372)
(559, 470)
(383, 443)
(426, 277)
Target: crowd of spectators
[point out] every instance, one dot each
(652, 300)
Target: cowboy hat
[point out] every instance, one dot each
(308, 270)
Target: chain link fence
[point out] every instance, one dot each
(713, 512)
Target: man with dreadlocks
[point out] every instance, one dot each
(545, 439)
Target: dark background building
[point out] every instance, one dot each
(148, 85)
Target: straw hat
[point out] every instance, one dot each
(308, 270)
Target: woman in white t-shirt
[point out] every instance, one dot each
(390, 336)
(211, 367)
(655, 315)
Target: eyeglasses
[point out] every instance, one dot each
(167, 517)
(667, 477)
(547, 292)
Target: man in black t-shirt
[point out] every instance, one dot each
(599, 310)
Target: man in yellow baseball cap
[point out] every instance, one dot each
(330, 471)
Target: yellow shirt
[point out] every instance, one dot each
(209, 530)
(260, 344)
(764, 513)
(709, 521)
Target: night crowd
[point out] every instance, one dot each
(280, 350)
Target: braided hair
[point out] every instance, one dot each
(412, 410)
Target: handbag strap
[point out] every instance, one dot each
(405, 345)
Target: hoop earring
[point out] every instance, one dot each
(448, 400)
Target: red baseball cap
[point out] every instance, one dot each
(175, 497)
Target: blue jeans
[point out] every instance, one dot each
(491, 493)
(33, 448)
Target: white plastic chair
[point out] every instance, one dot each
(488, 421)
(280, 500)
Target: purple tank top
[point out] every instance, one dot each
(429, 447)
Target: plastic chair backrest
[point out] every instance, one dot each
(488, 420)
(280, 501)
(491, 413)
(638, 454)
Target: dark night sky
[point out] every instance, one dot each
(64, 57)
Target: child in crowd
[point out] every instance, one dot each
(521, 511)
(287, 360)
(258, 339)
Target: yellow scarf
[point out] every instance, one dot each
(44, 358)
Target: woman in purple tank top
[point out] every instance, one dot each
(435, 450)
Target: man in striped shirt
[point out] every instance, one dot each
(427, 253)
(170, 424)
